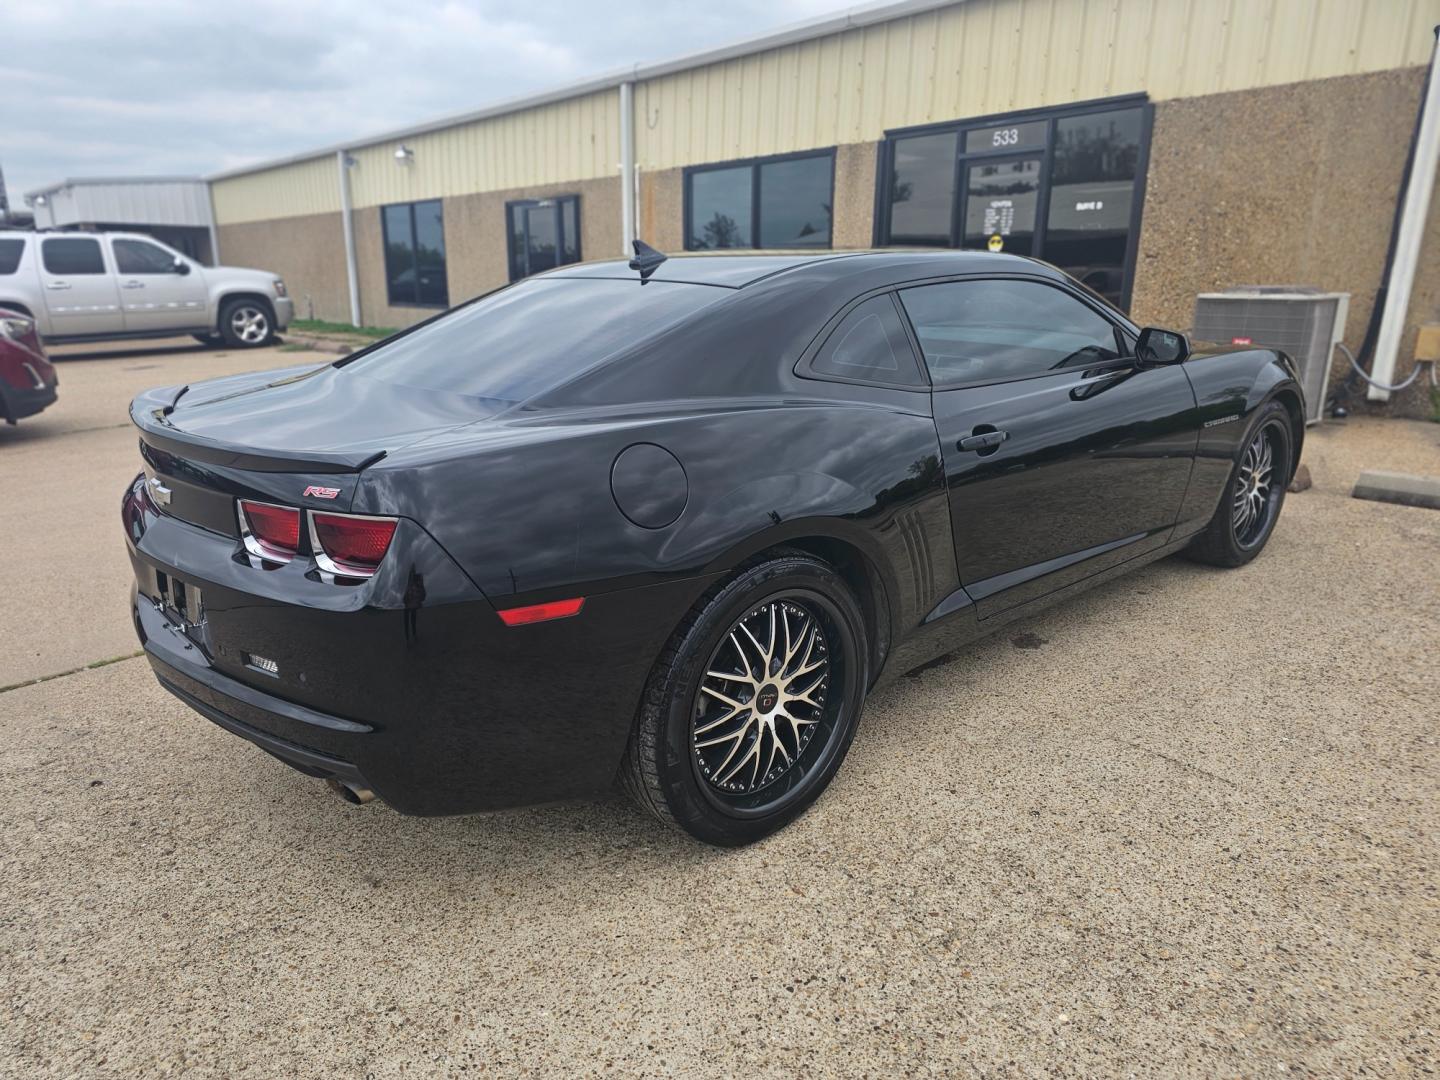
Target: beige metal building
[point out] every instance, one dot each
(1157, 149)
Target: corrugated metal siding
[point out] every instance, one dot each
(168, 202)
(306, 187)
(992, 56)
(577, 139)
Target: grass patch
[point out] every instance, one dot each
(295, 346)
(320, 326)
(74, 670)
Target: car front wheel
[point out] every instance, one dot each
(1255, 494)
(753, 703)
(246, 324)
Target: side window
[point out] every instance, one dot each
(72, 255)
(138, 257)
(10, 252)
(870, 345)
(991, 331)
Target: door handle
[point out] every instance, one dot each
(986, 440)
(134, 285)
(57, 284)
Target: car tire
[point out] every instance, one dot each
(1254, 493)
(681, 762)
(246, 323)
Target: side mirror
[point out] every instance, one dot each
(180, 266)
(1156, 346)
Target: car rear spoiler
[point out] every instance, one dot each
(150, 412)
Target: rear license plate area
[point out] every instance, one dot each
(182, 604)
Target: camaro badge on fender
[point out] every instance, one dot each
(320, 492)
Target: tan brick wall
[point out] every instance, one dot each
(308, 252)
(1286, 185)
(475, 244)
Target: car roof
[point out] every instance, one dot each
(741, 270)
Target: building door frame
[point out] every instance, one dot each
(964, 158)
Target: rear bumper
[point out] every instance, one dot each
(284, 312)
(436, 706)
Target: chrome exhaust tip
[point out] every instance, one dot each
(357, 796)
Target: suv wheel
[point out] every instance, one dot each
(246, 324)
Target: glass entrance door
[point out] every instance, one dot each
(1002, 197)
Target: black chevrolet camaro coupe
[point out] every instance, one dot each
(669, 522)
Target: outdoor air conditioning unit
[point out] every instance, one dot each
(1299, 319)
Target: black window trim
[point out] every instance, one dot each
(560, 232)
(885, 156)
(754, 164)
(416, 302)
(1125, 331)
(805, 369)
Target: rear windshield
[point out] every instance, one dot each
(532, 336)
(10, 252)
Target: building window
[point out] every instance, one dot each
(414, 236)
(778, 202)
(544, 234)
(1063, 185)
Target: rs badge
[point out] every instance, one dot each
(320, 492)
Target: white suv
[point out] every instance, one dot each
(99, 286)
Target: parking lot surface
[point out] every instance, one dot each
(1183, 825)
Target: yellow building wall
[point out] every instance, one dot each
(969, 59)
(992, 56)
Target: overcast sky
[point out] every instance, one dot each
(191, 86)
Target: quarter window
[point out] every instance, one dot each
(774, 203)
(415, 254)
(870, 345)
(544, 234)
(138, 257)
(10, 252)
(993, 331)
(72, 255)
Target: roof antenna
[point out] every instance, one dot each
(647, 260)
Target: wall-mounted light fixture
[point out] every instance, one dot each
(351, 161)
(405, 155)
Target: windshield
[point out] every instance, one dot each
(530, 337)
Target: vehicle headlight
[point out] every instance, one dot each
(13, 325)
(280, 289)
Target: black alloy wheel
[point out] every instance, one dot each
(753, 704)
(1255, 494)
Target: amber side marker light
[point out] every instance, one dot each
(555, 609)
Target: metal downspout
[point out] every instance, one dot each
(1412, 234)
(627, 166)
(342, 162)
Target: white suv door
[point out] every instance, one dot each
(159, 290)
(80, 292)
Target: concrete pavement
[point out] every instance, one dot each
(1182, 826)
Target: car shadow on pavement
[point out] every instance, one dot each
(127, 351)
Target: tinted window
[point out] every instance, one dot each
(517, 342)
(544, 234)
(761, 204)
(138, 257)
(795, 203)
(922, 189)
(720, 208)
(989, 331)
(1092, 189)
(415, 254)
(10, 252)
(870, 344)
(72, 255)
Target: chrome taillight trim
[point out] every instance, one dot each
(329, 568)
(253, 543)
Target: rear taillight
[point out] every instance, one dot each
(350, 545)
(269, 531)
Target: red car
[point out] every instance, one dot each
(27, 378)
